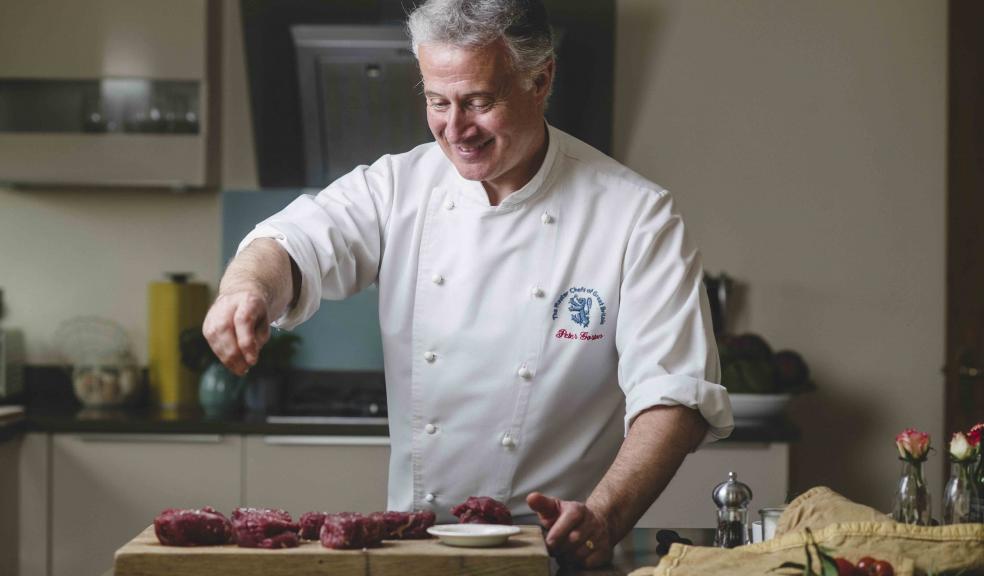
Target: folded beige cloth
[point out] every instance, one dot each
(821, 506)
(849, 529)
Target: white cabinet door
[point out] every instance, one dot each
(102, 38)
(106, 488)
(686, 502)
(306, 473)
(34, 466)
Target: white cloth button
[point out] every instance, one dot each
(525, 373)
(429, 497)
(430, 428)
(546, 218)
(430, 356)
(449, 204)
(537, 292)
(507, 441)
(437, 279)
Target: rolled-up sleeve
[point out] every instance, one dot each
(335, 237)
(665, 339)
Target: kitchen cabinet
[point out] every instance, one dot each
(106, 488)
(9, 467)
(105, 92)
(305, 473)
(686, 502)
(79, 497)
(33, 482)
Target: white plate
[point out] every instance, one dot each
(759, 406)
(473, 535)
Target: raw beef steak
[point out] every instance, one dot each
(482, 510)
(264, 528)
(349, 531)
(311, 524)
(407, 525)
(204, 527)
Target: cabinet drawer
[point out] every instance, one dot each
(106, 488)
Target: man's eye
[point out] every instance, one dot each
(437, 105)
(481, 104)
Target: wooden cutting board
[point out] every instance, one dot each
(524, 554)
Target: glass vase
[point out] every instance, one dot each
(912, 501)
(960, 497)
(979, 480)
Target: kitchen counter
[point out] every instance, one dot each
(190, 421)
(73, 419)
(12, 422)
(52, 408)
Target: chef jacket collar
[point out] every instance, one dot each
(473, 191)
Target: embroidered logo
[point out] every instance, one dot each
(581, 308)
(584, 307)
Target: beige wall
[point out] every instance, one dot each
(65, 253)
(803, 140)
(805, 144)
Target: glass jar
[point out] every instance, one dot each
(912, 500)
(960, 497)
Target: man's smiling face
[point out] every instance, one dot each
(486, 118)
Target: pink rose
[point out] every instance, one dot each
(962, 450)
(912, 444)
(974, 434)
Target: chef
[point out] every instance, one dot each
(546, 336)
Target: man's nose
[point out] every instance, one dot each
(459, 125)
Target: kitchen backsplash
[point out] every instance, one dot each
(342, 335)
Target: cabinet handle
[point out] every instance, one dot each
(153, 438)
(326, 440)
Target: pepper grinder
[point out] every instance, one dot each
(732, 498)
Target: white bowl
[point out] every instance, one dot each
(759, 406)
(473, 535)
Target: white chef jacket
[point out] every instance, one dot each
(519, 340)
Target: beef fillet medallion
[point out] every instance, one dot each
(349, 531)
(264, 528)
(193, 527)
(482, 510)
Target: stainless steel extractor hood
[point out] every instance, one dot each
(360, 97)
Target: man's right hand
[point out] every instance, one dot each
(236, 327)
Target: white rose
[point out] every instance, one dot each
(960, 449)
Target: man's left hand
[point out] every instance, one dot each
(575, 532)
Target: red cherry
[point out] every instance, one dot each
(866, 565)
(844, 567)
(883, 568)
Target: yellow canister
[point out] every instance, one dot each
(173, 307)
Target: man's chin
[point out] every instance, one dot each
(471, 171)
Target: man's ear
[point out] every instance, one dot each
(543, 80)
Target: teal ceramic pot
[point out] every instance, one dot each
(220, 392)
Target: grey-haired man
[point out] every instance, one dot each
(546, 336)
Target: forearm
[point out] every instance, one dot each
(264, 266)
(657, 443)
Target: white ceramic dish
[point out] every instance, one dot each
(759, 406)
(473, 535)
